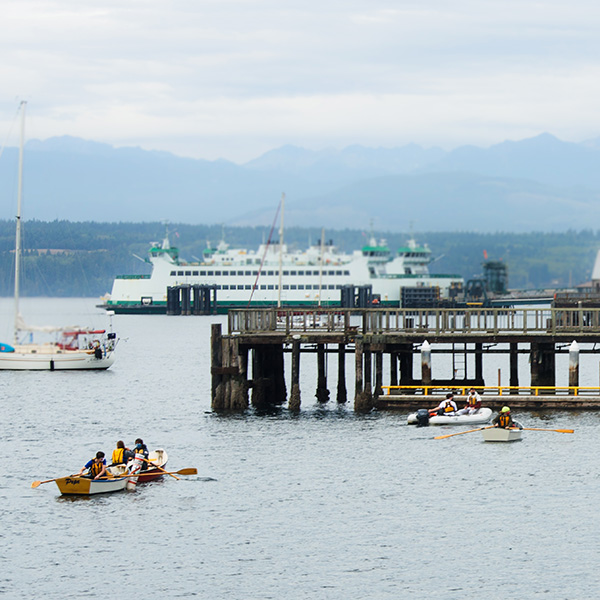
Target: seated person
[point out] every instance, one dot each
(121, 455)
(504, 419)
(96, 467)
(473, 403)
(445, 407)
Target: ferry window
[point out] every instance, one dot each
(292, 287)
(247, 272)
(286, 272)
(173, 273)
(293, 272)
(202, 273)
(301, 273)
(331, 287)
(346, 272)
(248, 287)
(332, 272)
(240, 287)
(255, 273)
(188, 273)
(315, 272)
(263, 287)
(270, 273)
(240, 273)
(179, 272)
(338, 287)
(217, 273)
(225, 287)
(300, 287)
(286, 287)
(195, 273)
(271, 287)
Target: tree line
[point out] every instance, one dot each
(63, 258)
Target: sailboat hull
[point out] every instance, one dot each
(51, 360)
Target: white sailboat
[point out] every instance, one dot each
(76, 348)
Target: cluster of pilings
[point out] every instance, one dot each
(186, 299)
(403, 336)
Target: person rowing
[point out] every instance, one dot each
(445, 407)
(96, 467)
(504, 419)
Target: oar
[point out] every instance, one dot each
(441, 437)
(559, 430)
(190, 471)
(160, 468)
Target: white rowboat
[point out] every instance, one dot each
(499, 434)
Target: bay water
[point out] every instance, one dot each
(324, 504)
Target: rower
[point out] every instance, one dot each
(504, 419)
(96, 467)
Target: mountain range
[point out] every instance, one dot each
(536, 184)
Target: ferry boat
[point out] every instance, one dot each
(273, 275)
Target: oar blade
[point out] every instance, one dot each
(36, 484)
(190, 471)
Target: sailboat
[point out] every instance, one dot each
(75, 348)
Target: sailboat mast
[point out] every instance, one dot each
(18, 232)
(280, 252)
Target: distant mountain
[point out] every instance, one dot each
(541, 183)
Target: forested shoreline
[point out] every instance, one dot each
(63, 258)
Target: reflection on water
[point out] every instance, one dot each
(321, 504)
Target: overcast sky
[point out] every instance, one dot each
(235, 78)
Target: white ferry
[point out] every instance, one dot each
(273, 275)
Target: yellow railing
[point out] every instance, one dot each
(532, 390)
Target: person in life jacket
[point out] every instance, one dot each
(140, 449)
(121, 455)
(473, 403)
(504, 419)
(446, 406)
(96, 467)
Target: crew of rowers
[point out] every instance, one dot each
(96, 467)
(448, 406)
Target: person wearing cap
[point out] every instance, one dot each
(96, 467)
(445, 407)
(504, 419)
(473, 403)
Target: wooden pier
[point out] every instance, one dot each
(248, 362)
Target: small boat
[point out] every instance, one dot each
(499, 434)
(84, 486)
(483, 415)
(76, 348)
(159, 459)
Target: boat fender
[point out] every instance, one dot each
(422, 417)
(98, 352)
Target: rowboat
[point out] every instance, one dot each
(159, 459)
(499, 434)
(84, 486)
(483, 415)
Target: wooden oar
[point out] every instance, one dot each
(441, 437)
(160, 469)
(190, 471)
(559, 430)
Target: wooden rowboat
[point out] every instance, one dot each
(499, 434)
(84, 486)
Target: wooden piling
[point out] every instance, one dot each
(294, 402)
(342, 395)
(573, 366)
(322, 391)
(514, 366)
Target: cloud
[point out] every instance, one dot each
(233, 78)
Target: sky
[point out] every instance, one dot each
(233, 79)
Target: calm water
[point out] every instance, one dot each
(326, 504)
